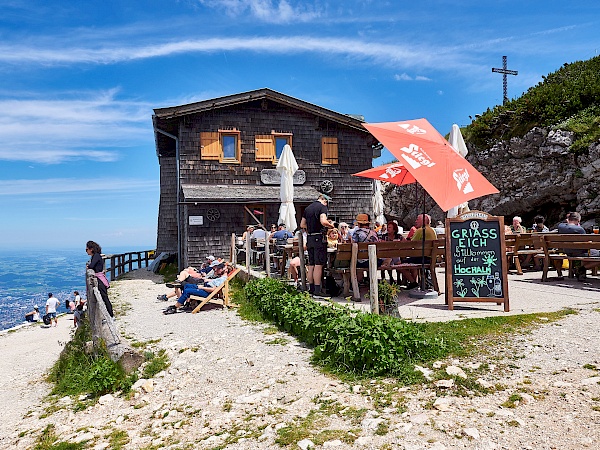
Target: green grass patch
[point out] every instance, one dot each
(48, 440)
(118, 439)
(156, 363)
(277, 341)
(77, 372)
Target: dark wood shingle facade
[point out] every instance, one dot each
(217, 162)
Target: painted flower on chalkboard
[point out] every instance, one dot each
(461, 290)
(477, 283)
(489, 260)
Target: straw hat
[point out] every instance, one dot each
(363, 219)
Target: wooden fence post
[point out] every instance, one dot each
(233, 257)
(267, 257)
(104, 328)
(374, 288)
(300, 237)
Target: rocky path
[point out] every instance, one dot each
(236, 385)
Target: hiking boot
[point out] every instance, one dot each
(162, 297)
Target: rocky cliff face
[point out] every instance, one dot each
(536, 174)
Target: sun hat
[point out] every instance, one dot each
(215, 263)
(36, 307)
(363, 218)
(211, 258)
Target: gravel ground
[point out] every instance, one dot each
(236, 385)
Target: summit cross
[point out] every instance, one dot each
(504, 71)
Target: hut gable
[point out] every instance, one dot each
(217, 159)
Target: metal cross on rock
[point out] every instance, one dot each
(504, 71)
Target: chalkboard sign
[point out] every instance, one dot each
(476, 259)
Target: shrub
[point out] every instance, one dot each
(78, 372)
(570, 96)
(344, 339)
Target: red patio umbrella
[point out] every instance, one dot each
(394, 173)
(429, 158)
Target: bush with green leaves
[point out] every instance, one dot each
(344, 339)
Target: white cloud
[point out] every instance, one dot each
(74, 185)
(406, 77)
(90, 127)
(282, 11)
(384, 54)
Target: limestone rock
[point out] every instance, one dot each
(306, 444)
(444, 383)
(456, 371)
(473, 433)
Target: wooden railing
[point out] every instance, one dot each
(115, 265)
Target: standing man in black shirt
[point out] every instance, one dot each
(315, 221)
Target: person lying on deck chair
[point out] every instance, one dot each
(190, 276)
(200, 290)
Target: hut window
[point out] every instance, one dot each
(329, 150)
(223, 146)
(269, 146)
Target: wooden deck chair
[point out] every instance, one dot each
(220, 296)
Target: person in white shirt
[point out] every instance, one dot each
(51, 305)
(33, 316)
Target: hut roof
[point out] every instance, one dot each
(164, 114)
(236, 193)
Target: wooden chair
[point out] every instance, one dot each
(219, 296)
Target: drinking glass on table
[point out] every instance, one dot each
(596, 230)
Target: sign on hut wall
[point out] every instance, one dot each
(271, 176)
(475, 259)
(196, 220)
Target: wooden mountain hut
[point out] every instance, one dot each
(217, 167)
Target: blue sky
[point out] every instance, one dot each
(79, 81)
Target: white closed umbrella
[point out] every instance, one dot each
(287, 167)
(458, 144)
(378, 203)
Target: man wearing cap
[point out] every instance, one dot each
(315, 221)
(200, 290)
(282, 233)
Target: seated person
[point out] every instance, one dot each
(423, 222)
(572, 226)
(200, 290)
(343, 232)
(294, 267)
(538, 225)
(33, 316)
(516, 227)
(273, 230)
(392, 234)
(248, 232)
(333, 238)
(259, 233)
(364, 233)
(78, 315)
(189, 276)
(282, 235)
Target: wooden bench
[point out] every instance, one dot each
(219, 296)
(385, 250)
(554, 244)
(524, 244)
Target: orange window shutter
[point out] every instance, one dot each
(265, 147)
(210, 147)
(329, 148)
